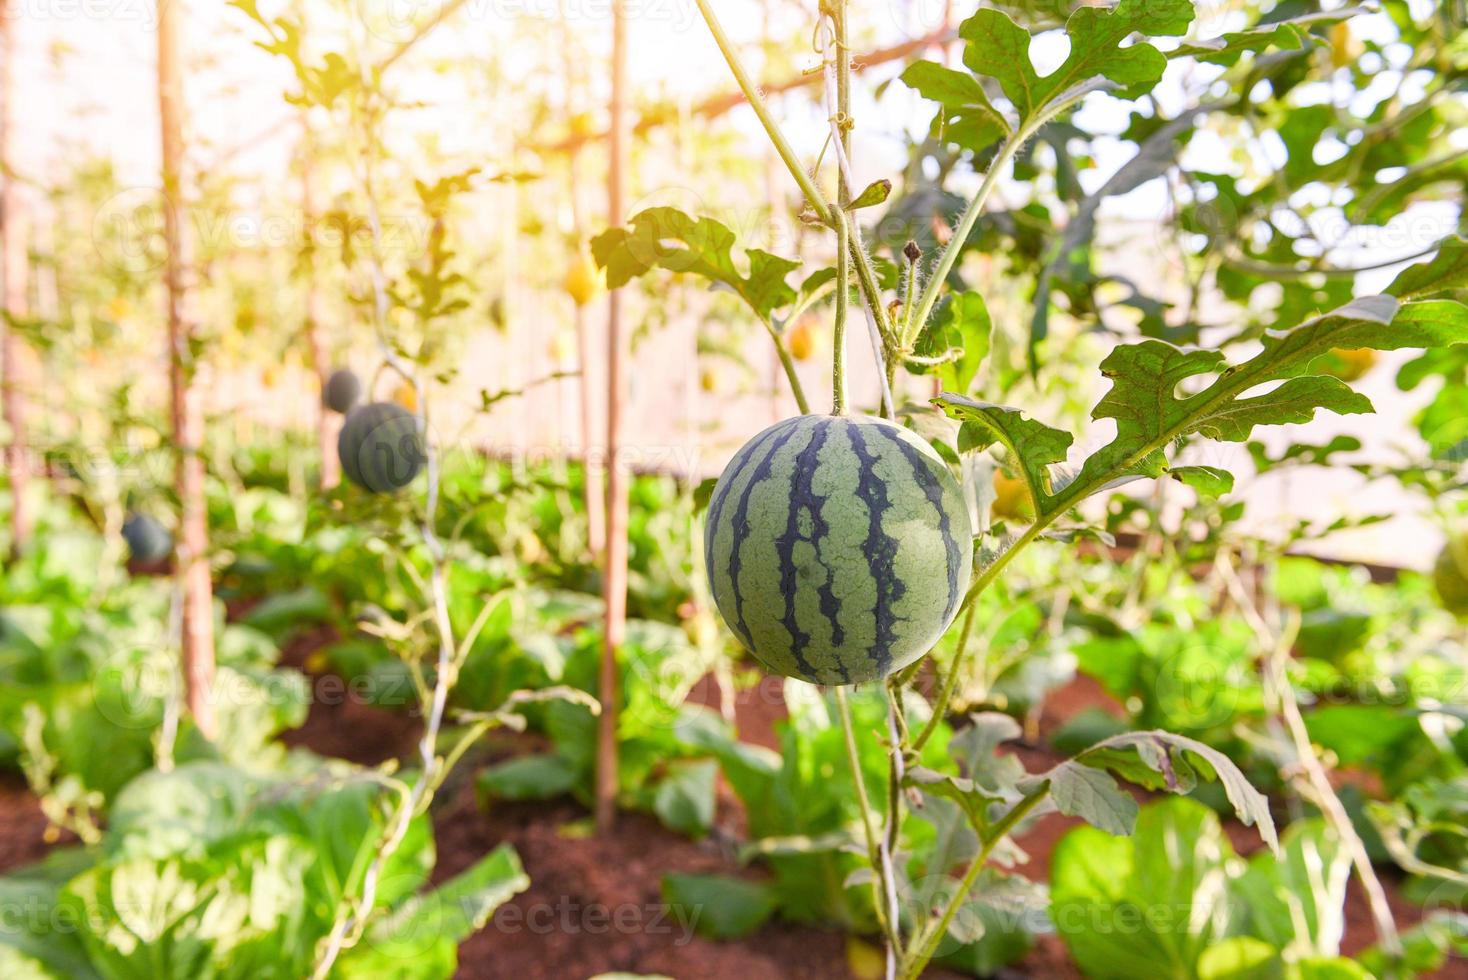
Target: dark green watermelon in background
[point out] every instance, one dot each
(342, 391)
(381, 447)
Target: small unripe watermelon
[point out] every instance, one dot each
(342, 391)
(802, 339)
(838, 548)
(381, 447)
(1450, 576)
(583, 279)
(1349, 364)
(147, 540)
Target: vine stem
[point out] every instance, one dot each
(864, 273)
(868, 816)
(1316, 783)
(762, 112)
(788, 363)
(950, 683)
(836, 60)
(352, 918)
(975, 207)
(928, 943)
(838, 333)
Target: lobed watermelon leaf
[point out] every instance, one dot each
(1156, 760)
(666, 238)
(1285, 35)
(1034, 446)
(1000, 48)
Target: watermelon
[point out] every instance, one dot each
(1449, 579)
(838, 548)
(381, 447)
(147, 540)
(341, 392)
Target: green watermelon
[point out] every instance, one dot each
(341, 392)
(147, 540)
(838, 548)
(1450, 579)
(381, 447)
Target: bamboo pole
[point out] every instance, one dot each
(717, 105)
(192, 558)
(614, 581)
(326, 424)
(593, 486)
(14, 360)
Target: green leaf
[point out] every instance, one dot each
(1209, 481)
(685, 796)
(961, 332)
(529, 777)
(721, 906)
(1145, 377)
(703, 493)
(1149, 905)
(1091, 794)
(666, 238)
(1285, 35)
(1000, 48)
(967, 116)
(1172, 762)
(1240, 958)
(975, 749)
(1446, 270)
(428, 928)
(1033, 446)
(875, 193)
(1296, 900)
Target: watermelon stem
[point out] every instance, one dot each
(838, 344)
(927, 942)
(950, 683)
(868, 822)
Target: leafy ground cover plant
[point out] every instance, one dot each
(88, 661)
(1174, 900)
(213, 870)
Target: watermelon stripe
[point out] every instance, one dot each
(881, 552)
(724, 490)
(741, 526)
(804, 500)
(927, 480)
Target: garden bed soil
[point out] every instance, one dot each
(25, 834)
(582, 882)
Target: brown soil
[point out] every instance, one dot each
(25, 835)
(340, 724)
(594, 904)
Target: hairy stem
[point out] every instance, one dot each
(970, 215)
(950, 683)
(927, 944)
(788, 363)
(868, 816)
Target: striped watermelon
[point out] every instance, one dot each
(838, 547)
(342, 390)
(381, 447)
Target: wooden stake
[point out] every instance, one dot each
(326, 423)
(614, 589)
(14, 362)
(192, 558)
(591, 471)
